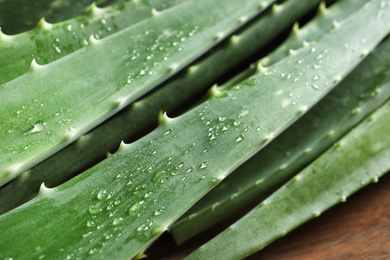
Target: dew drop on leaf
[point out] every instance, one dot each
(39, 126)
(203, 165)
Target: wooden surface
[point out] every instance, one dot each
(356, 229)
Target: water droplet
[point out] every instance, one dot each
(203, 165)
(212, 137)
(101, 195)
(316, 77)
(157, 176)
(90, 223)
(168, 132)
(94, 209)
(134, 207)
(239, 138)
(39, 126)
(117, 221)
(108, 236)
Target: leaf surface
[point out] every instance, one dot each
(118, 207)
(52, 105)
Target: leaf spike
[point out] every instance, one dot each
(302, 109)
(306, 44)
(172, 68)
(218, 36)
(163, 118)
(43, 190)
(242, 19)
(214, 91)
(94, 10)
(154, 12)
(343, 198)
(120, 103)
(122, 146)
(295, 28)
(192, 68)
(24, 176)
(261, 66)
(315, 214)
(3, 36)
(34, 66)
(322, 9)
(335, 24)
(291, 52)
(275, 8)
(234, 39)
(70, 135)
(42, 24)
(92, 40)
(137, 104)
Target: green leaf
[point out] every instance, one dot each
(365, 89)
(38, 117)
(119, 206)
(49, 42)
(144, 113)
(324, 21)
(19, 15)
(360, 157)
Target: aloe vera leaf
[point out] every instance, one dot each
(325, 20)
(93, 147)
(128, 123)
(360, 157)
(359, 94)
(49, 42)
(20, 15)
(119, 206)
(40, 119)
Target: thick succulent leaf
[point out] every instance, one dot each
(360, 157)
(358, 95)
(120, 205)
(144, 113)
(49, 42)
(325, 20)
(19, 15)
(37, 115)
